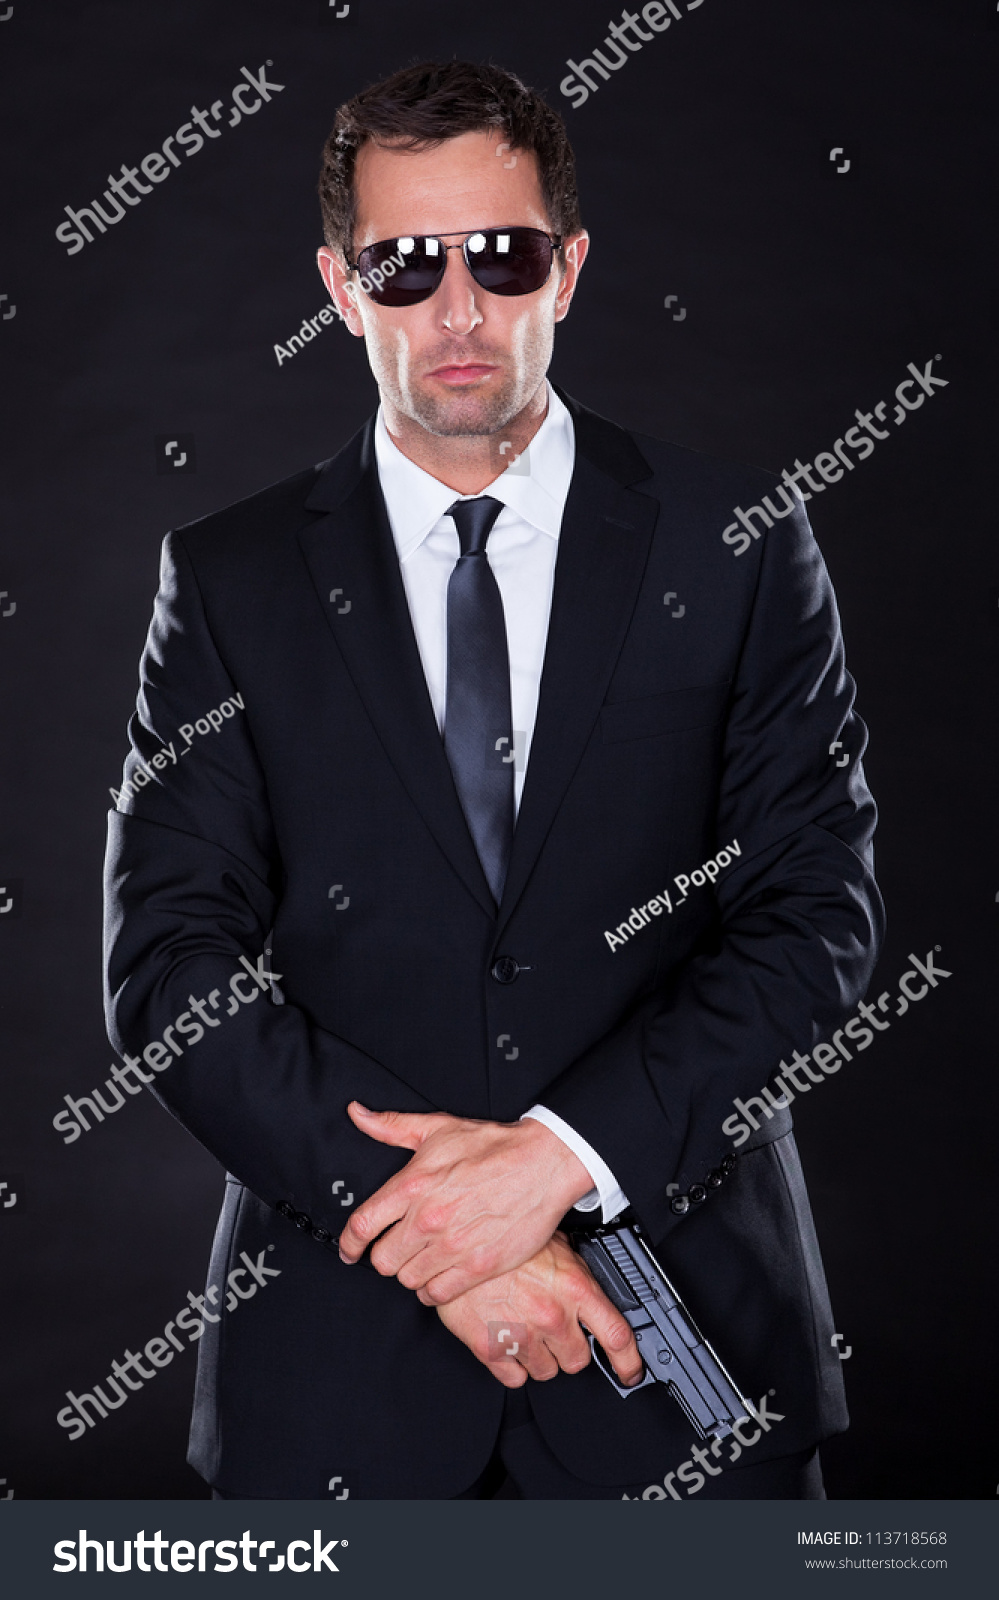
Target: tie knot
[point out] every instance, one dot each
(474, 520)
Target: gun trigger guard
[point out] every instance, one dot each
(611, 1376)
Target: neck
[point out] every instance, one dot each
(466, 463)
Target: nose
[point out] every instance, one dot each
(456, 297)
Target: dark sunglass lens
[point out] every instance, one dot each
(510, 260)
(401, 272)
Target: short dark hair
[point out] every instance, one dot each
(421, 106)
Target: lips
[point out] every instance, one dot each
(463, 373)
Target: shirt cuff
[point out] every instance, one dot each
(606, 1192)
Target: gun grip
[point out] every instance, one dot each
(611, 1375)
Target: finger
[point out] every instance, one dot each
(417, 1270)
(407, 1129)
(561, 1339)
(478, 1267)
(510, 1373)
(572, 1352)
(614, 1333)
(412, 1250)
(540, 1362)
(386, 1206)
(400, 1254)
(503, 1366)
(534, 1359)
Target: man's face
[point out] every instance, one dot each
(463, 362)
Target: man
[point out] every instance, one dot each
(399, 884)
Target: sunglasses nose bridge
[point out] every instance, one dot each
(460, 247)
(458, 295)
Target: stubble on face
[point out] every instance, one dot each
(479, 410)
(450, 425)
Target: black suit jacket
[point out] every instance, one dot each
(659, 740)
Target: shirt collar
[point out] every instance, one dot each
(416, 501)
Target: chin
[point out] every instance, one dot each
(464, 415)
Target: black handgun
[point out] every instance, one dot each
(673, 1349)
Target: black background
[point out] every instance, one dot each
(704, 172)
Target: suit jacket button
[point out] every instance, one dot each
(285, 1210)
(322, 1234)
(303, 1220)
(505, 969)
(679, 1204)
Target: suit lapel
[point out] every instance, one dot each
(604, 544)
(603, 550)
(351, 550)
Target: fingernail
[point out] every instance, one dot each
(345, 1259)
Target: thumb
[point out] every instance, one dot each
(407, 1129)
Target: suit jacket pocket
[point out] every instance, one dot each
(673, 712)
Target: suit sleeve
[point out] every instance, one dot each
(799, 918)
(192, 877)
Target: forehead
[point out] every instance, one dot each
(473, 181)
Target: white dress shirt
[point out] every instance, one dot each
(523, 545)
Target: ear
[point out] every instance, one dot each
(336, 276)
(574, 250)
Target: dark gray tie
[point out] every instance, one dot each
(478, 727)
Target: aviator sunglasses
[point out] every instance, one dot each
(404, 271)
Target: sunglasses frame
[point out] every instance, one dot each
(555, 240)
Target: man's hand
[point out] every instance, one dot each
(478, 1199)
(550, 1296)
